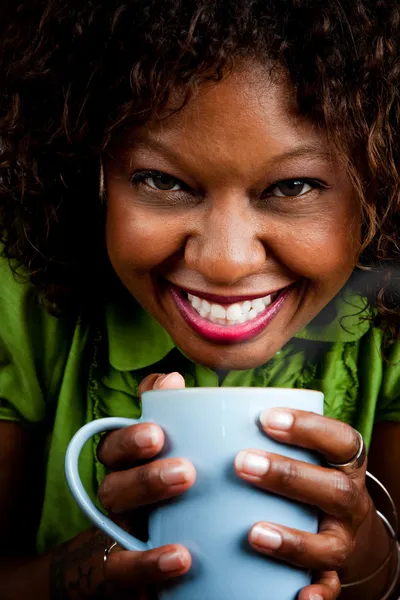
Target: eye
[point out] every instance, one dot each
(157, 180)
(292, 187)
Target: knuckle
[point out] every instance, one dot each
(331, 579)
(115, 447)
(145, 477)
(298, 545)
(354, 440)
(102, 449)
(288, 473)
(124, 442)
(344, 490)
(341, 549)
(336, 588)
(349, 438)
(148, 382)
(365, 505)
(141, 560)
(363, 508)
(105, 491)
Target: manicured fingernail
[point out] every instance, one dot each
(275, 418)
(316, 597)
(175, 474)
(171, 561)
(265, 537)
(147, 437)
(251, 464)
(165, 378)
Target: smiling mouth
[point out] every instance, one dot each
(231, 320)
(231, 314)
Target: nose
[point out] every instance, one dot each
(226, 248)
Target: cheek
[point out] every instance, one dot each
(139, 240)
(322, 247)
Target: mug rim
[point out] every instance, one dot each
(196, 390)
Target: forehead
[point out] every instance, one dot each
(250, 115)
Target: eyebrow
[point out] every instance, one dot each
(317, 150)
(149, 143)
(320, 151)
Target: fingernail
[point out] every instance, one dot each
(277, 419)
(164, 378)
(251, 464)
(175, 474)
(171, 561)
(265, 537)
(316, 597)
(147, 437)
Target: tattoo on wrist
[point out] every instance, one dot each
(72, 573)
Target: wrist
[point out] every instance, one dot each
(372, 544)
(77, 567)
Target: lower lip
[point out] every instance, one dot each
(228, 334)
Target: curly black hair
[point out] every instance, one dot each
(74, 74)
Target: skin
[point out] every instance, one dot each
(347, 526)
(230, 235)
(225, 227)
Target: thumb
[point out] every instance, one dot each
(161, 381)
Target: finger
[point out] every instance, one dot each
(321, 551)
(133, 444)
(335, 440)
(326, 588)
(127, 490)
(161, 381)
(329, 489)
(129, 445)
(136, 569)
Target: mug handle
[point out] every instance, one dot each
(124, 539)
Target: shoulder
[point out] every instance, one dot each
(34, 348)
(22, 314)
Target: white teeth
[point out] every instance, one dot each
(195, 301)
(252, 314)
(246, 306)
(206, 305)
(217, 311)
(258, 305)
(234, 314)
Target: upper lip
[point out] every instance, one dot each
(227, 299)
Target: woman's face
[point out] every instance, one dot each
(231, 222)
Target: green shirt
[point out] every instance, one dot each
(58, 374)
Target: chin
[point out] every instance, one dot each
(232, 358)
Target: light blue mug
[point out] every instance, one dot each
(209, 426)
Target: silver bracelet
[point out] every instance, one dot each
(392, 528)
(395, 581)
(394, 516)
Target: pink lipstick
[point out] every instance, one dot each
(228, 334)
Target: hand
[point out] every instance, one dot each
(132, 485)
(343, 499)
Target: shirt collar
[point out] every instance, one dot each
(351, 321)
(137, 341)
